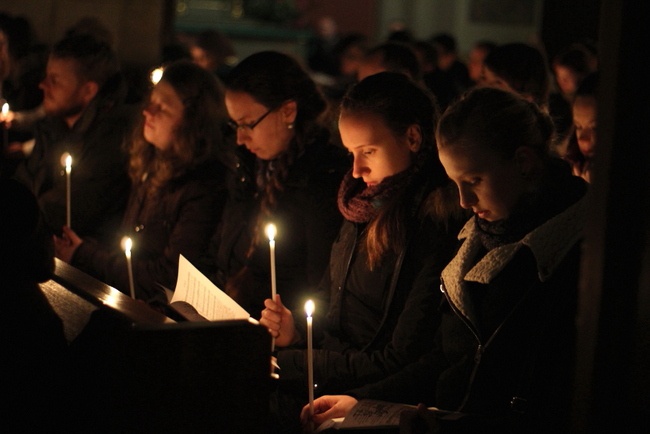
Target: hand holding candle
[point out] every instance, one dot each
(66, 161)
(309, 310)
(128, 244)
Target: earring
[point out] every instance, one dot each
(290, 126)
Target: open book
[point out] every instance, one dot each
(197, 298)
(368, 413)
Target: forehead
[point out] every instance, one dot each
(461, 161)
(242, 104)
(365, 129)
(166, 93)
(64, 67)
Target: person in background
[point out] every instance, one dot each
(34, 357)
(442, 85)
(392, 57)
(377, 303)
(85, 117)
(288, 174)
(519, 68)
(449, 61)
(503, 358)
(582, 148)
(321, 57)
(214, 52)
(476, 58)
(178, 169)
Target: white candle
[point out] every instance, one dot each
(156, 75)
(5, 111)
(271, 231)
(127, 251)
(66, 160)
(309, 309)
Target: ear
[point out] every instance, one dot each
(414, 138)
(527, 160)
(289, 110)
(88, 91)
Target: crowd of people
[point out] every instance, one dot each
(432, 208)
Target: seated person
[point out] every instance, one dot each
(504, 350)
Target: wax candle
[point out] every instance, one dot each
(271, 231)
(309, 309)
(5, 111)
(66, 161)
(156, 75)
(128, 244)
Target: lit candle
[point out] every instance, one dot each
(5, 111)
(66, 161)
(156, 75)
(271, 231)
(127, 251)
(309, 309)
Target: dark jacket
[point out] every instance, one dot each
(307, 221)
(99, 181)
(504, 349)
(375, 322)
(181, 222)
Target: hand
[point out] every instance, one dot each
(66, 245)
(328, 407)
(279, 321)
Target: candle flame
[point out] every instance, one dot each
(271, 231)
(5, 109)
(127, 244)
(66, 160)
(156, 75)
(309, 308)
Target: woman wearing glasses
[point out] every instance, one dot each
(288, 175)
(178, 187)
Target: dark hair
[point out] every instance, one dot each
(217, 45)
(496, 119)
(199, 136)
(523, 67)
(400, 103)
(272, 78)
(397, 57)
(589, 85)
(575, 57)
(445, 41)
(588, 88)
(18, 32)
(96, 60)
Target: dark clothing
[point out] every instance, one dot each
(374, 322)
(507, 331)
(99, 181)
(307, 220)
(179, 221)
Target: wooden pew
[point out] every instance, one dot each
(137, 370)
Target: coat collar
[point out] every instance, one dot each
(549, 243)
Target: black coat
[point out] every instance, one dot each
(307, 221)
(181, 222)
(99, 180)
(504, 349)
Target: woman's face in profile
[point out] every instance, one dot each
(162, 115)
(266, 132)
(377, 152)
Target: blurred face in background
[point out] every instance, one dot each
(163, 115)
(584, 119)
(65, 93)
(378, 153)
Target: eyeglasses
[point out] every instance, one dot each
(249, 127)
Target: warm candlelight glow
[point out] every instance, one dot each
(271, 231)
(66, 161)
(156, 75)
(309, 308)
(127, 244)
(5, 110)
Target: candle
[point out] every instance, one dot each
(66, 160)
(127, 251)
(5, 111)
(309, 309)
(156, 75)
(271, 231)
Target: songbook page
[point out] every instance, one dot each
(209, 301)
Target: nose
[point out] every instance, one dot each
(151, 109)
(584, 135)
(467, 198)
(358, 168)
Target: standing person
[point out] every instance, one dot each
(178, 187)
(378, 301)
(83, 93)
(505, 346)
(288, 175)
